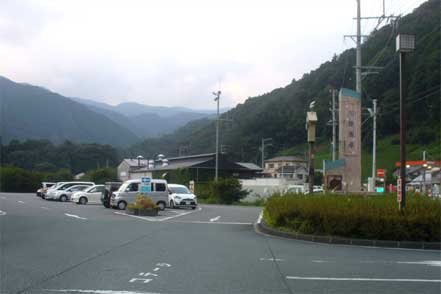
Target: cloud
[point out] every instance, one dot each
(169, 52)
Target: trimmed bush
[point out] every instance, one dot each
(353, 216)
(227, 191)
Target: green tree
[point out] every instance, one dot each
(227, 191)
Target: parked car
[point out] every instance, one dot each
(181, 196)
(109, 188)
(128, 191)
(89, 195)
(54, 187)
(44, 187)
(64, 191)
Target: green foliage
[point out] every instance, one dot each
(42, 155)
(143, 202)
(227, 191)
(102, 175)
(13, 179)
(368, 217)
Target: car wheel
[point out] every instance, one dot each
(63, 198)
(172, 204)
(193, 207)
(43, 197)
(161, 205)
(83, 200)
(122, 205)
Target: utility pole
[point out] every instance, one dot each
(405, 44)
(424, 172)
(216, 173)
(334, 124)
(264, 143)
(358, 59)
(374, 140)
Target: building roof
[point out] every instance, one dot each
(250, 166)
(286, 158)
(134, 162)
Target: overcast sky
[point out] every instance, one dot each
(175, 52)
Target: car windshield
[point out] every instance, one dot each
(179, 190)
(123, 187)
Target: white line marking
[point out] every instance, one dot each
(319, 261)
(427, 262)
(213, 223)
(74, 216)
(2, 213)
(362, 279)
(19, 201)
(163, 264)
(45, 208)
(98, 291)
(259, 219)
(156, 269)
(154, 219)
(3, 197)
(270, 259)
(215, 218)
(145, 281)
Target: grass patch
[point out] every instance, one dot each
(365, 217)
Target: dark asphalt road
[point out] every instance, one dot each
(53, 247)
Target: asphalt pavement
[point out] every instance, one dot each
(54, 247)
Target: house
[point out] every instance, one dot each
(128, 165)
(199, 168)
(292, 167)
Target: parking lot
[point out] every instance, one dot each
(55, 247)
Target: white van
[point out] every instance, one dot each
(128, 191)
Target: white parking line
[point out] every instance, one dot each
(19, 201)
(215, 218)
(2, 212)
(362, 279)
(74, 216)
(427, 262)
(156, 218)
(213, 223)
(97, 291)
(270, 259)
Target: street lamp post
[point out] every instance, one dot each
(216, 172)
(404, 44)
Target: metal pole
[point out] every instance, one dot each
(374, 141)
(358, 60)
(263, 152)
(217, 138)
(311, 167)
(402, 131)
(424, 173)
(333, 126)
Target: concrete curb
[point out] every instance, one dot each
(263, 228)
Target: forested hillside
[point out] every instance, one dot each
(30, 112)
(280, 114)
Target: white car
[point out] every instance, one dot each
(64, 191)
(90, 195)
(181, 196)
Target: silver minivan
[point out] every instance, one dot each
(128, 191)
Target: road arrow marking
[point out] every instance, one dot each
(19, 201)
(74, 216)
(2, 213)
(215, 218)
(163, 264)
(97, 291)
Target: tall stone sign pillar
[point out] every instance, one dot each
(349, 139)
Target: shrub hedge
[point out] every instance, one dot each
(354, 216)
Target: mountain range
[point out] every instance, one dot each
(32, 112)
